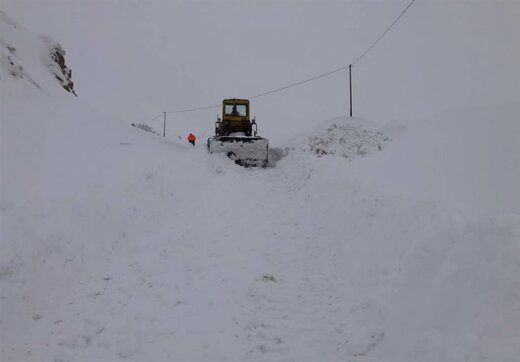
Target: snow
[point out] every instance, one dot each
(363, 243)
(245, 151)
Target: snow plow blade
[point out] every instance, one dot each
(245, 151)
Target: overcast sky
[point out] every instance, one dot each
(135, 59)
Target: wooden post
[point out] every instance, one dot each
(350, 86)
(164, 127)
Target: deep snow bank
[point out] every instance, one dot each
(347, 137)
(432, 224)
(78, 193)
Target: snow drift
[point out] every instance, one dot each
(364, 243)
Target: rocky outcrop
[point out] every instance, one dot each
(29, 57)
(62, 73)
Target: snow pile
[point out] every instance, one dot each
(119, 245)
(345, 137)
(348, 138)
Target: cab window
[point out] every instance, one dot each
(235, 110)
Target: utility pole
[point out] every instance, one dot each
(350, 86)
(164, 128)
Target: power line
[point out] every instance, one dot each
(308, 79)
(261, 94)
(384, 33)
(154, 118)
(339, 69)
(298, 83)
(194, 109)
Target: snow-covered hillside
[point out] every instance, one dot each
(364, 243)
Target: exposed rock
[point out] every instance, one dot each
(61, 71)
(20, 51)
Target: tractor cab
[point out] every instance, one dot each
(235, 119)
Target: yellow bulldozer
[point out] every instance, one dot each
(236, 135)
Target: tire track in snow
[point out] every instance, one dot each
(296, 310)
(307, 302)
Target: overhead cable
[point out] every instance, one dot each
(384, 33)
(195, 109)
(154, 118)
(312, 78)
(298, 83)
